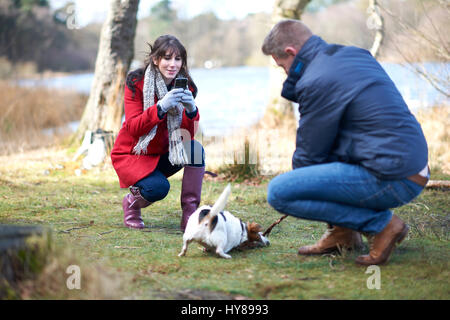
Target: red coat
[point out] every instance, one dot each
(131, 167)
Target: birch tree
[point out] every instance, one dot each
(104, 108)
(375, 21)
(283, 9)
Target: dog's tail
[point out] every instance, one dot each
(221, 202)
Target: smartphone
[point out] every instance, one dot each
(181, 83)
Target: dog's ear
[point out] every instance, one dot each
(253, 231)
(203, 214)
(254, 227)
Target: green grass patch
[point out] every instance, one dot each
(85, 215)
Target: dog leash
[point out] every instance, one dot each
(269, 229)
(212, 174)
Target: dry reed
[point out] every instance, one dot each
(26, 113)
(435, 124)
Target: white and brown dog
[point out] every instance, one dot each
(219, 230)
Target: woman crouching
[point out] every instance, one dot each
(156, 139)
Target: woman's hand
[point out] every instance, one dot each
(171, 99)
(188, 102)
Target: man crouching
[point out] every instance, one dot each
(359, 150)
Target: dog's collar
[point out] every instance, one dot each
(244, 231)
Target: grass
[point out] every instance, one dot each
(39, 187)
(85, 215)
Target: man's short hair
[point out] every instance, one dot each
(284, 34)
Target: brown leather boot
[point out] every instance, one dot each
(335, 239)
(383, 243)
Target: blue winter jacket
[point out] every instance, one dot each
(351, 111)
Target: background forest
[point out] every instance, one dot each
(35, 37)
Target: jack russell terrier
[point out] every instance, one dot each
(220, 230)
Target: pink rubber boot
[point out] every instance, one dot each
(191, 191)
(132, 204)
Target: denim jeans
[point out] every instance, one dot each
(155, 186)
(341, 194)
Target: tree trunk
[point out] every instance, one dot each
(23, 254)
(104, 109)
(283, 9)
(375, 21)
(436, 184)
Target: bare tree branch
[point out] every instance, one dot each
(434, 26)
(406, 26)
(440, 82)
(434, 81)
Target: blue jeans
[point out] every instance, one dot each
(155, 186)
(341, 194)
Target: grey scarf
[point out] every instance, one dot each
(154, 84)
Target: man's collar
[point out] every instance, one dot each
(307, 53)
(311, 47)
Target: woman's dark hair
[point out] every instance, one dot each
(166, 44)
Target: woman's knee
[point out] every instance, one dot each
(154, 188)
(156, 191)
(162, 189)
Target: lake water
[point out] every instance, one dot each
(231, 98)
